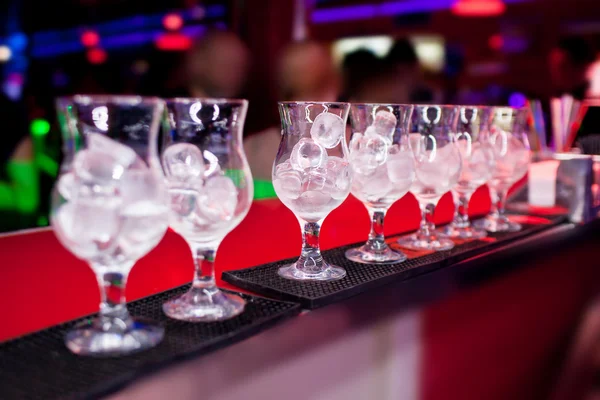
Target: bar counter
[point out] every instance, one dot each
(494, 326)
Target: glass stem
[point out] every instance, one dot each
(113, 307)
(501, 203)
(376, 242)
(204, 263)
(462, 215)
(310, 261)
(427, 226)
(494, 206)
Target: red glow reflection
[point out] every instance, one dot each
(173, 42)
(96, 56)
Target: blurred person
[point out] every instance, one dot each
(19, 181)
(406, 75)
(364, 77)
(306, 72)
(216, 66)
(568, 62)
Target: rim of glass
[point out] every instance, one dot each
(446, 106)
(211, 100)
(383, 104)
(107, 98)
(329, 103)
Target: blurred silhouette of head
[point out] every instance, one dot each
(217, 66)
(402, 53)
(307, 73)
(361, 69)
(568, 62)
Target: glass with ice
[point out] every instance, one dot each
(477, 166)
(109, 208)
(383, 171)
(210, 192)
(510, 146)
(312, 176)
(437, 168)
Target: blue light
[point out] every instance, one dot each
(17, 42)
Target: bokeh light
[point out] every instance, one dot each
(173, 22)
(96, 56)
(5, 53)
(90, 39)
(39, 127)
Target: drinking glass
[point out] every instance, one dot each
(109, 208)
(477, 157)
(210, 191)
(438, 166)
(510, 146)
(383, 169)
(312, 176)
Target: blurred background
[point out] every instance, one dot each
(426, 51)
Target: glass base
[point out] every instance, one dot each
(468, 232)
(204, 305)
(491, 224)
(365, 256)
(327, 273)
(435, 243)
(95, 338)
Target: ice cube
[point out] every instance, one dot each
(327, 129)
(182, 201)
(385, 123)
(122, 154)
(307, 154)
(89, 225)
(287, 182)
(371, 131)
(97, 167)
(313, 200)
(363, 163)
(377, 146)
(401, 167)
(355, 142)
(67, 185)
(341, 175)
(183, 162)
(316, 179)
(218, 199)
(374, 186)
(138, 185)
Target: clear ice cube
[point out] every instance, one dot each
(385, 123)
(374, 186)
(97, 167)
(183, 162)
(218, 199)
(378, 147)
(67, 185)
(401, 167)
(121, 153)
(307, 154)
(327, 129)
(363, 163)
(287, 182)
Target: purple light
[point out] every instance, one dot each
(517, 100)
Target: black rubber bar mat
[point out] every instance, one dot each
(39, 366)
(264, 280)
